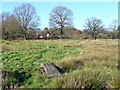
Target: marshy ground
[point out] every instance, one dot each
(88, 63)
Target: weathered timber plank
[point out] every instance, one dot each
(47, 69)
(54, 70)
(50, 69)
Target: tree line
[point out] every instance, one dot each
(24, 23)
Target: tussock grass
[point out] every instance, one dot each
(100, 58)
(88, 63)
(70, 63)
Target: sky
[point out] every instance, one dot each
(106, 11)
(119, 13)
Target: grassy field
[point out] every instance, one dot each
(88, 63)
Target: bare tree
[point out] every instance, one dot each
(114, 29)
(4, 16)
(10, 26)
(93, 26)
(114, 25)
(26, 17)
(60, 17)
(3, 21)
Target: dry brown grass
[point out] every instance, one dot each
(97, 56)
(102, 55)
(100, 52)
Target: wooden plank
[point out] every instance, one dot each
(54, 70)
(50, 69)
(46, 68)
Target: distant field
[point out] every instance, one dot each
(88, 63)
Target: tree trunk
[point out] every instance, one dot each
(25, 36)
(25, 33)
(61, 31)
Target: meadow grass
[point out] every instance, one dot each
(88, 63)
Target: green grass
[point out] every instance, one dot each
(88, 63)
